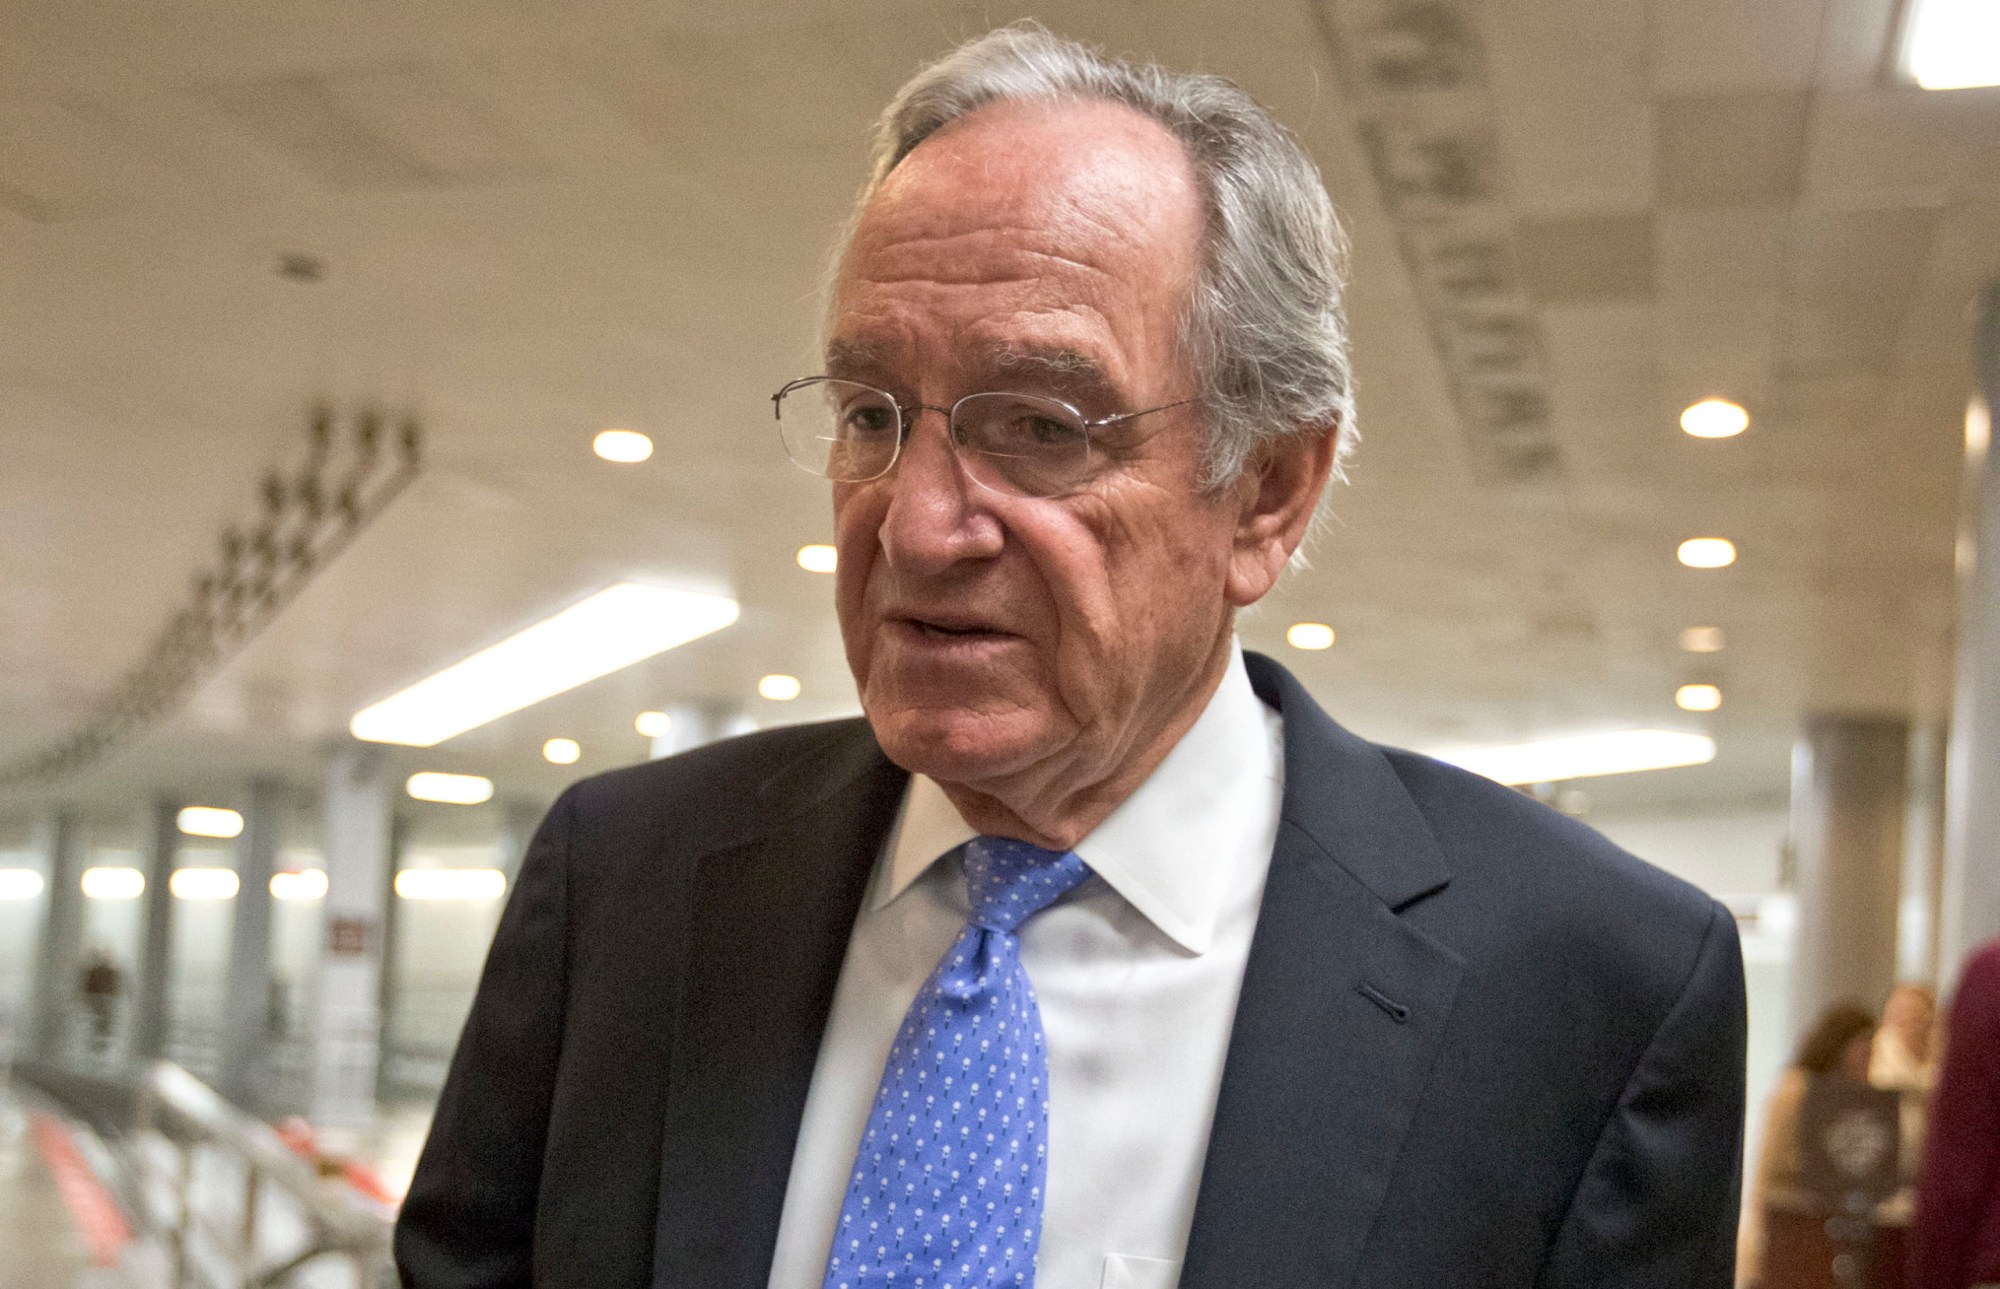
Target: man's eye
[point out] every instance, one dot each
(1048, 431)
(868, 420)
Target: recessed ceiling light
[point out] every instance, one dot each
(204, 884)
(1702, 639)
(779, 688)
(1978, 429)
(1952, 44)
(209, 821)
(1698, 698)
(615, 628)
(1707, 552)
(113, 883)
(626, 447)
(1309, 635)
(653, 724)
(19, 883)
(818, 558)
(561, 751)
(451, 884)
(1715, 418)
(451, 789)
(1581, 756)
(305, 884)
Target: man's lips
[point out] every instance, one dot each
(947, 626)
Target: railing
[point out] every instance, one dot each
(235, 1206)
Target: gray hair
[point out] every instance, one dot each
(1265, 330)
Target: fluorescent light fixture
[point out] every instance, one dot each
(1715, 418)
(305, 884)
(1702, 640)
(1698, 698)
(1309, 636)
(779, 688)
(1580, 756)
(1952, 44)
(451, 789)
(1978, 429)
(209, 821)
(19, 883)
(451, 884)
(1707, 552)
(561, 751)
(113, 883)
(626, 447)
(204, 884)
(818, 559)
(653, 724)
(614, 628)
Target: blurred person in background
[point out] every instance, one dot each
(101, 985)
(1840, 1044)
(1955, 1236)
(1905, 1053)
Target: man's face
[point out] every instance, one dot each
(1028, 648)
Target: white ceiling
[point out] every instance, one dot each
(542, 219)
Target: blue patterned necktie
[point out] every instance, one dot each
(946, 1191)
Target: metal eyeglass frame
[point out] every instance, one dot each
(906, 418)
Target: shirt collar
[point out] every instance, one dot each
(1158, 848)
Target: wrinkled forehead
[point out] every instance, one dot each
(1066, 166)
(1082, 203)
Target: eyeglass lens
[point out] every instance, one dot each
(1014, 443)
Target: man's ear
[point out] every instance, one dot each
(1279, 491)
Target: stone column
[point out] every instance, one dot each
(347, 1039)
(1971, 903)
(247, 1002)
(151, 973)
(1848, 795)
(61, 960)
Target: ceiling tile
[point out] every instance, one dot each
(1730, 149)
(302, 117)
(1720, 252)
(1849, 279)
(1701, 46)
(1588, 259)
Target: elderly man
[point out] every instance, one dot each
(1097, 955)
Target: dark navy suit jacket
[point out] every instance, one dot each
(1477, 1045)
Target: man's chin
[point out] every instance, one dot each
(960, 745)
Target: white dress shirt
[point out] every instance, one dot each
(1137, 973)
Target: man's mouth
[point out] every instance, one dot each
(948, 628)
(941, 632)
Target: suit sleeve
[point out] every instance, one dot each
(469, 1218)
(1657, 1205)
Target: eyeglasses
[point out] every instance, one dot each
(1023, 445)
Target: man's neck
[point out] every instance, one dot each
(1045, 807)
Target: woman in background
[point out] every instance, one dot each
(1839, 1044)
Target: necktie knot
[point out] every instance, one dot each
(1010, 881)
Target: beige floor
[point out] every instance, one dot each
(40, 1247)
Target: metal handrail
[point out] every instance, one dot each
(339, 1223)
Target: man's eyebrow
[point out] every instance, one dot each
(1069, 371)
(845, 357)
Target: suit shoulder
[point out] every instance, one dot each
(726, 790)
(1485, 825)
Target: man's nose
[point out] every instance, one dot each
(936, 514)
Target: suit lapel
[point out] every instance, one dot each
(1342, 1008)
(770, 923)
